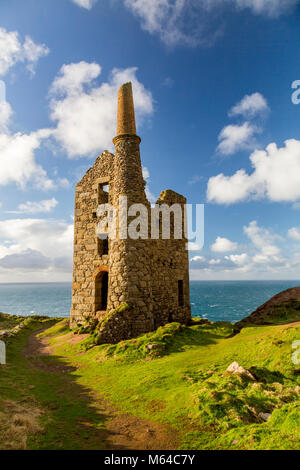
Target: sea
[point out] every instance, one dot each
(215, 300)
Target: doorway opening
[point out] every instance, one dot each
(180, 294)
(101, 291)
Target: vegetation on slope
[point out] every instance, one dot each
(43, 405)
(8, 322)
(285, 312)
(175, 377)
(20, 413)
(282, 308)
(183, 382)
(172, 337)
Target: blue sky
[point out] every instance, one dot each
(212, 82)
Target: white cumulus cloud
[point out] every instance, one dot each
(263, 240)
(41, 247)
(250, 106)
(86, 113)
(239, 260)
(197, 258)
(18, 164)
(6, 113)
(190, 22)
(233, 138)
(36, 239)
(262, 258)
(222, 245)
(72, 78)
(275, 176)
(12, 51)
(193, 22)
(223, 189)
(146, 176)
(294, 233)
(37, 207)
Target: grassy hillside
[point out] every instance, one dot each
(174, 378)
(183, 382)
(8, 322)
(283, 307)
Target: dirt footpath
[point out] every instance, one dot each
(122, 431)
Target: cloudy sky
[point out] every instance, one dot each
(213, 92)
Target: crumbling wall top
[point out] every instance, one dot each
(102, 166)
(170, 197)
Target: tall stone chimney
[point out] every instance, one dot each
(126, 116)
(130, 259)
(129, 179)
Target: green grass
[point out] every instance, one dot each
(183, 382)
(285, 312)
(7, 322)
(49, 409)
(175, 376)
(172, 337)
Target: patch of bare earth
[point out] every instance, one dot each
(130, 432)
(37, 347)
(124, 431)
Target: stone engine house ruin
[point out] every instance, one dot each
(150, 275)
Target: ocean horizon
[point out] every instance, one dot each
(215, 300)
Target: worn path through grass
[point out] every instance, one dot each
(182, 382)
(42, 405)
(164, 390)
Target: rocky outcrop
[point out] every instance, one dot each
(282, 308)
(235, 368)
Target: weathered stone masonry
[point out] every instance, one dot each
(150, 275)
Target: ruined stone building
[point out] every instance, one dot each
(150, 275)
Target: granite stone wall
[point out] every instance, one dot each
(149, 275)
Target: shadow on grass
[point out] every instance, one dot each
(70, 418)
(264, 375)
